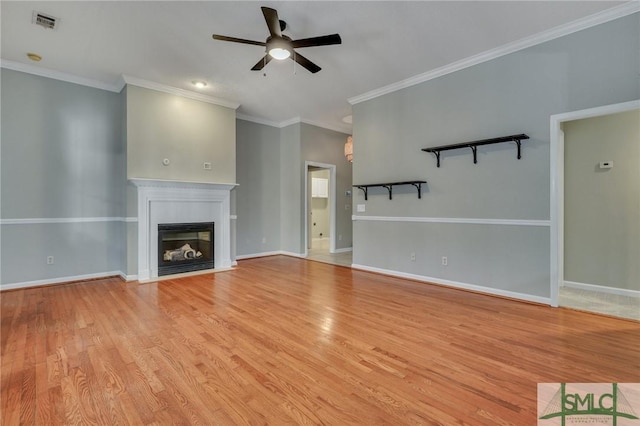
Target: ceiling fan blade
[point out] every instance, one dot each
(317, 41)
(271, 16)
(238, 40)
(264, 61)
(313, 68)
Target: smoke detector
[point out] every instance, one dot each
(44, 20)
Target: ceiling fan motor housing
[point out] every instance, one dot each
(275, 42)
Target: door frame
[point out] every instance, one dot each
(332, 204)
(557, 184)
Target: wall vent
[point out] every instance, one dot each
(44, 20)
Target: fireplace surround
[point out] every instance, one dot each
(163, 201)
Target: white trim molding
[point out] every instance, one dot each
(134, 81)
(616, 12)
(270, 253)
(456, 284)
(43, 220)
(59, 75)
(163, 201)
(463, 220)
(602, 289)
(295, 120)
(343, 250)
(64, 280)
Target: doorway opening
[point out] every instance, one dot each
(320, 208)
(589, 261)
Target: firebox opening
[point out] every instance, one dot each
(185, 247)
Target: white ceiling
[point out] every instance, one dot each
(169, 42)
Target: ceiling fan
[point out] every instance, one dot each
(279, 46)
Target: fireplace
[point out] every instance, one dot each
(185, 247)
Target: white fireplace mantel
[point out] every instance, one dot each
(164, 201)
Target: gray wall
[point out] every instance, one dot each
(62, 164)
(516, 93)
(291, 193)
(327, 146)
(271, 172)
(602, 206)
(186, 131)
(258, 193)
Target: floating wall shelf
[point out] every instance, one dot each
(474, 144)
(390, 185)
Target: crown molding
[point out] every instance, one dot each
(295, 120)
(290, 122)
(139, 82)
(257, 120)
(58, 75)
(346, 129)
(602, 17)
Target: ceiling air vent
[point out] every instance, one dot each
(44, 20)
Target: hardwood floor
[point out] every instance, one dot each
(282, 340)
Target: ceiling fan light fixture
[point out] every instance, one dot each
(279, 53)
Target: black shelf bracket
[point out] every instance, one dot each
(436, 150)
(389, 187)
(363, 189)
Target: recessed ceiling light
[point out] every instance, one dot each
(34, 57)
(199, 84)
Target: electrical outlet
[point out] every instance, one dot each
(445, 261)
(264, 240)
(206, 166)
(413, 257)
(49, 260)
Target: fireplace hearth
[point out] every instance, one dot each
(185, 247)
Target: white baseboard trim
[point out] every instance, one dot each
(456, 284)
(343, 250)
(602, 289)
(270, 253)
(60, 280)
(128, 277)
(253, 255)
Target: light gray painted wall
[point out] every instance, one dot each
(258, 194)
(62, 156)
(319, 209)
(186, 131)
(602, 206)
(516, 93)
(271, 172)
(327, 146)
(130, 228)
(291, 191)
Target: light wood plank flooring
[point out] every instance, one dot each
(282, 340)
